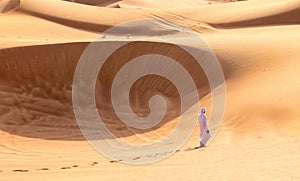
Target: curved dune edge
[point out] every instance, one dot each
(98, 19)
(259, 137)
(220, 15)
(101, 3)
(243, 14)
(45, 98)
(17, 74)
(7, 6)
(149, 3)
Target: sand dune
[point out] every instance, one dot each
(256, 41)
(8, 5)
(101, 3)
(243, 14)
(98, 19)
(162, 4)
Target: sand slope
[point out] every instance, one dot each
(7, 6)
(256, 41)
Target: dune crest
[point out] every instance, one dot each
(7, 6)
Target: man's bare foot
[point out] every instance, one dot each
(201, 145)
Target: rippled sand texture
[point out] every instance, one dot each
(256, 41)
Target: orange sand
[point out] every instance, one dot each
(256, 41)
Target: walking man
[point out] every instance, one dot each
(204, 130)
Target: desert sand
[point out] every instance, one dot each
(257, 43)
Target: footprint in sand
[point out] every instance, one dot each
(193, 148)
(75, 166)
(136, 158)
(65, 168)
(20, 170)
(94, 163)
(42, 169)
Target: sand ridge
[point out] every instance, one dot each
(7, 6)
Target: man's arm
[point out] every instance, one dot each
(206, 124)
